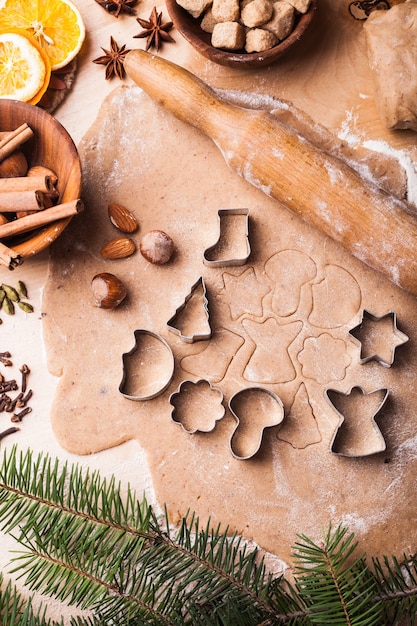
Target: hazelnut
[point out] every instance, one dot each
(108, 290)
(157, 247)
(13, 166)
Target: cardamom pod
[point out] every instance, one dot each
(21, 289)
(11, 293)
(8, 306)
(25, 306)
(2, 296)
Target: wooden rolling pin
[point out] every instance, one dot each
(374, 226)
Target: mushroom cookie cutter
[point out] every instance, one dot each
(197, 406)
(254, 409)
(191, 321)
(232, 247)
(148, 367)
(357, 434)
(378, 338)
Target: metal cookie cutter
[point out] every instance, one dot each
(384, 353)
(148, 368)
(174, 323)
(219, 254)
(197, 406)
(254, 409)
(363, 438)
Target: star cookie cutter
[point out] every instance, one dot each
(247, 406)
(345, 441)
(398, 338)
(197, 406)
(200, 334)
(148, 367)
(218, 254)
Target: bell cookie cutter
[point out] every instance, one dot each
(197, 406)
(213, 255)
(154, 354)
(173, 322)
(366, 444)
(398, 338)
(246, 406)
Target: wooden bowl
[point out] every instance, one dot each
(51, 147)
(190, 29)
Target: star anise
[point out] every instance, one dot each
(155, 30)
(115, 7)
(113, 60)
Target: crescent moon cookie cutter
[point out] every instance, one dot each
(254, 409)
(195, 304)
(148, 368)
(232, 247)
(197, 406)
(378, 337)
(363, 436)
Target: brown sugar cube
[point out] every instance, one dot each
(195, 7)
(228, 35)
(302, 6)
(256, 13)
(259, 40)
(282, 21)
(208, 22)
(226, 10)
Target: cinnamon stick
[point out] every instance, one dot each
(27, 183)
(14, 139)
(15, 201)
(41, 218)
(9, 257)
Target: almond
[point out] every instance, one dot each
(118, 248)
(122, 218)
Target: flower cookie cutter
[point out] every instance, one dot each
(254, 409)
(378, 346)
(197, 406)
(231, 240)
(363, 438)
(148, 367)
(188, 332)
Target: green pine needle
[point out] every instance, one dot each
(89, 544)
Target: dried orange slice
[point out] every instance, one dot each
(25, 69)
(57, 26)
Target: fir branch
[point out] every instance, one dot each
(87, 543)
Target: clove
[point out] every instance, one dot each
(17, 417)
(25, 371)
(8, 431)
(5, 359)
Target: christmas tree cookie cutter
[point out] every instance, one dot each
(191, 330)
(148, 367)
(363, 436)
(232, 247)
(254, 409)
(197, 406)
(374, 345)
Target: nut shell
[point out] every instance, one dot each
(108, 290)
(118, 248)
(157, 247)
(122, 218)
